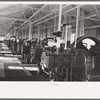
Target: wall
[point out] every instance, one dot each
(93, 32)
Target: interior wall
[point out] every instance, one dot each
(93, 32)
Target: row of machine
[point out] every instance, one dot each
(11, 67)
(58, 60)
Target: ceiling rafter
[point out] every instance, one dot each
(19, 16)
(12, 18)
(96, 26)
(23, 11)
(2, 10)
(6, 24)
(38, 9)
(14, 12)
(96, 11)
(8, 8)
(50, 7)
(35, 13)
(49, 14)
(17, 19)
(11, 14)
(58, 15)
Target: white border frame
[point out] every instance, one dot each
(49, 90)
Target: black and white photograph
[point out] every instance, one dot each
(50, 42)
(49, 50)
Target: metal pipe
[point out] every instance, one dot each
(49, 14)
(30, 31)
(60, 18)
(66, 33)
(56, 15)
(15, 31)
(87, 17)
(34, 15)
(97, 11)
(59, 27)
(55, 22)
(53, 16)
(38, 32)
(22, 33)
(77, 24)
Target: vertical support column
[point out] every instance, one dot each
(17, 33)
(60, 17)
(22, 32)
(59, 27)
(11, 32)
(55, 21)
(30, 31)
(25, 33)
(66, 34)
(46, 32)
(77, 23)
(14, 31)
(67, 37)
(49, 34)
(81, 23)
(38, 32)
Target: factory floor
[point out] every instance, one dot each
(34, 77)
(9, 73)
(11, 69)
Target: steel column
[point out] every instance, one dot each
(77, 23)
(38, 31)
(59, 27)
(67, 35)
(81, 24)
(30, 31)
(60, 18)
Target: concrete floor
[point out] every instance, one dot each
(11, 68)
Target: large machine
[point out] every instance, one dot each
(35, 51)
(86, 63)
(55, 61)
(11, 67)
(61, 63)
(74, 64)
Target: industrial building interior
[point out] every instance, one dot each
(49, 42)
